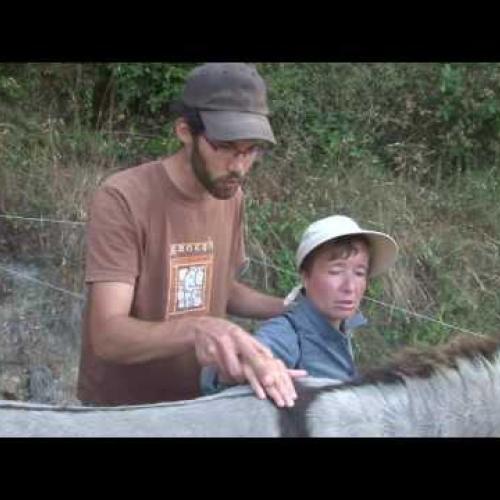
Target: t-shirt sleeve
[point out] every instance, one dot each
(112, 252)
(279, 335)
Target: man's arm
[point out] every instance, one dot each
(117, 337)
(120, 338)
(249, 303)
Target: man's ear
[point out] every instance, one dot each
(183, 132)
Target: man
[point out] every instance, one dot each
(164, 250)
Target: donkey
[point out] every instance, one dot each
(452, 390)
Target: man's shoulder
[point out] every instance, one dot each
(143, 174)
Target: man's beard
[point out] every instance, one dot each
(223, 187)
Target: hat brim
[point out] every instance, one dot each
(383, 252)
(235, 126)
(383, 249)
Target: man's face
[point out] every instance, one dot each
(221, 167)
(336, 286)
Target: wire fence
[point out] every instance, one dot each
(26, 277)
(41, 219)
(81, 296)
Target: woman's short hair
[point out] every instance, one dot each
(340, 248)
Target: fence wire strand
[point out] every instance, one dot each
(261, 263)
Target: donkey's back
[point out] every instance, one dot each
(453, 390)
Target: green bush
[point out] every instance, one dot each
(147, 89)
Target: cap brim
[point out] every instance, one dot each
(235, 126)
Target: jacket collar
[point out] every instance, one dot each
(303, 307)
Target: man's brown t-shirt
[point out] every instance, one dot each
(180, 254)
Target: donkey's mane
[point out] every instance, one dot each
(409, 363)
(424, 361)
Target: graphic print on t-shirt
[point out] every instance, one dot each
(191, 267)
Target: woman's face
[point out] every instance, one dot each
(336, 283)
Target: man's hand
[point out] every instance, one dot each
(240, 358)
(272, 377)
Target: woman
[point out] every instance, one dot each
(335, 259)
